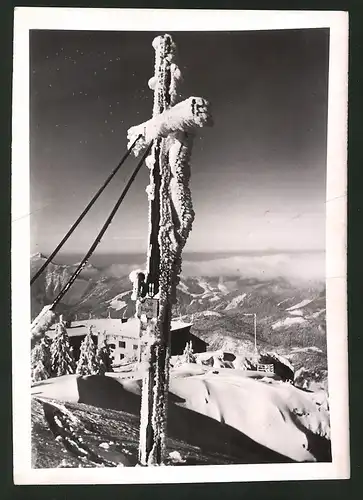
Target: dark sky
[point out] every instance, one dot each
(258, 176)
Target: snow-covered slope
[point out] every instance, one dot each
(236, 302)
(274, 414)
(288, 322)
(274, 417)
(120, 301)
(301, 304)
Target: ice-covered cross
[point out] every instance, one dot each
(171, 128)
(171, 216)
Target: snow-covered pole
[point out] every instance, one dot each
(155, 327)
(170, 220)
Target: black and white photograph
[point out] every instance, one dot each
(178, 248)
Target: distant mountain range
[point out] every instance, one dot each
(289, 316)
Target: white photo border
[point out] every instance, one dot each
(26, 19)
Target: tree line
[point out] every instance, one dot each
(54, 358)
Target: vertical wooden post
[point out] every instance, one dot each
(154, 309)
(171, 216)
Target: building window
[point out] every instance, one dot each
(122, 344)
(122, 356)
(134, 347)
(112, 346)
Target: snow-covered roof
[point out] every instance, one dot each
(109, 324)
(113, 327)
(178, 324)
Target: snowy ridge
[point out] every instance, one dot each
(279, 304)
(301, 304)
(296, 312)
(288, 322)
(117, 303)
(183, 287)
(237, 301)
(210, 313)
(38, 255)
(317, 314)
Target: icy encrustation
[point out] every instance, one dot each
(171, 216)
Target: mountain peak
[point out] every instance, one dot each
(38, 255)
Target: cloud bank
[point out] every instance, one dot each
(304, 267)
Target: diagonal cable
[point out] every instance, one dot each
(96, 242)
(84, 213)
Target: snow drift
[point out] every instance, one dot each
(272, 413)
(275, 415)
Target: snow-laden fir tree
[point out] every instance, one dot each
(104, 358)
(41, 363)
(63, 362)
(87, 363)
(188, 353)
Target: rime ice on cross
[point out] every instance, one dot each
(171, 216)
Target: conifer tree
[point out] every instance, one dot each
(87, 363)
(189, 353)
(104, 358)
(41, 363)
(63, 362)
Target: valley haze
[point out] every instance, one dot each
(304, 266)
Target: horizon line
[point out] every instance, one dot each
(191, 252)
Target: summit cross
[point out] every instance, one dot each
(171, 215)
